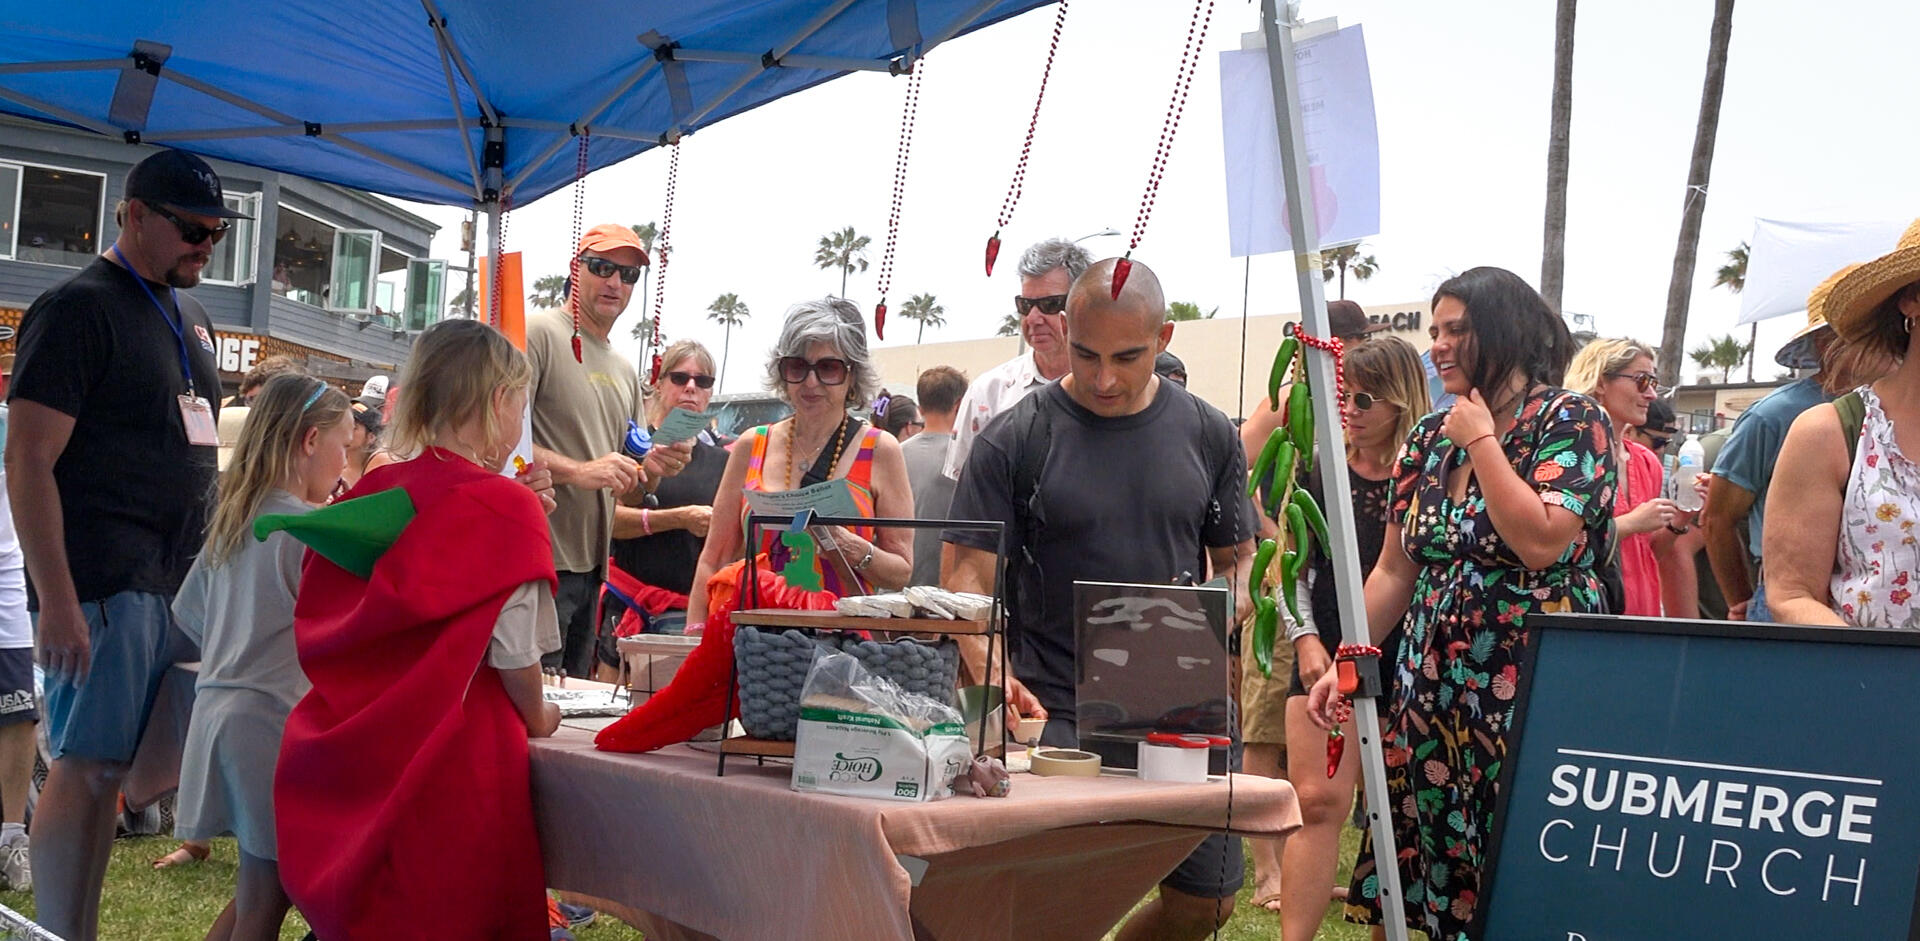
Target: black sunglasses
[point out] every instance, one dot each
(1363, 401)
(1050, 305)
(605, 267)
(192, 233)
(1655, 443)
(1644, 381)
(682, 378)
(831, 372)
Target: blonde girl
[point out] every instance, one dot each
(237, 602)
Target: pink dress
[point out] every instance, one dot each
(1637, 570)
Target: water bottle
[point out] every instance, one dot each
(637, 442)
(1693, 457)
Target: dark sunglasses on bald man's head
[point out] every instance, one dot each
(832, 372)
(1050, 305)
(682, 378)
(192, 233)
(605, 267)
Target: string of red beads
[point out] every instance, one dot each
(908, 111)
(662, 249)
(579, 212)
(1033, 124)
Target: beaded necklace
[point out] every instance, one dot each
(839, 444)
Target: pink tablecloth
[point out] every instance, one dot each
(661, 841)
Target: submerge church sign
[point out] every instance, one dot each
(1709, 780)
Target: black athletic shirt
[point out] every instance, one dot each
(133, 494)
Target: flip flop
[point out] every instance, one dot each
(194, 854)
(1270, 902)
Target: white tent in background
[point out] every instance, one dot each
(1787, 260)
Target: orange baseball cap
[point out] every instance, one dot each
(609, 236)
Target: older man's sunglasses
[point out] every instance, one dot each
(192, 233)
(1051, 304)
(831, 372)
(605, 268)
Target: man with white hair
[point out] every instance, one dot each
(1047, 272)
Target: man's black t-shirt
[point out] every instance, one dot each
(133, 494)
(667, 559)
(1127, 499)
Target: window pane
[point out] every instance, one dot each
(426, 293)
(9, 187)
(352, 270)
(59, 213)
(302, 258)
(390, 294)
(223, 264)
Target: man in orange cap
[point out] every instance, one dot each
(584, 393)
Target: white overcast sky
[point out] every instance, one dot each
(1813, 127)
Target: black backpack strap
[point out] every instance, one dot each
(1853, 415)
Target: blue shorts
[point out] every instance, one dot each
(102, 716)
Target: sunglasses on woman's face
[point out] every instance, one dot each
(830, 371)
(1644, 381)
(1363, 401)
(605, 268)
(1050, 305)
(682, 378)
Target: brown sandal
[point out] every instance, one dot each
(193, 853)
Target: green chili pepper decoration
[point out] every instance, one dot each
(1300, 422)
(1284, 458)
(1282, 364)
(1264, 463)
(1263, 557)
(1266, 627)
(1310, 509)
(1289, 581)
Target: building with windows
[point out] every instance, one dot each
(336, 277)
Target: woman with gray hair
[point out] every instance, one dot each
(820, 367)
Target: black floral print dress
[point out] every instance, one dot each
(1452, 698)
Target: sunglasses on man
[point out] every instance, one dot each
(605, 268)
(682, 378)
(192, 233)
(831, 372)
(1050, 305)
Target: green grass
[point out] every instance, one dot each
(145, 904)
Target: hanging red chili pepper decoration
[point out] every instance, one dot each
(1182, 83)
(1336, 749)
(1026, 148)
(579, 210)
(663, 249)
(908, 110)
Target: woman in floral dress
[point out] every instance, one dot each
(1848, 529)
(1503, 502)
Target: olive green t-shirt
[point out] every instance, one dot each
(580, 411)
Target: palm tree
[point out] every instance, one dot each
(549, 291)
(727, 309)
(1553, 251)
(1010, 327)
(924, 308)
(643, 331)
(1733, 277)
(1680, 288)
(461, 301)
(1188, 310)
(845, 250)
(647, 232)
(1338, 261)
(1722, 353)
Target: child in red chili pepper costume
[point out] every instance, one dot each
(402, 791)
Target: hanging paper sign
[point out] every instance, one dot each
(1343, 144)
(1698, 779)
(831, 498)
(681, 425)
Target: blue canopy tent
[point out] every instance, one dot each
(458, 102)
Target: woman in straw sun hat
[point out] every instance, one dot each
(1842, 544)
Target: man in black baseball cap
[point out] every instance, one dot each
(109, 482)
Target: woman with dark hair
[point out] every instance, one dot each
(1501, 505)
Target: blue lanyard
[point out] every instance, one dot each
(186, 364)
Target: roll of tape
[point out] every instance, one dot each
(1051, 762)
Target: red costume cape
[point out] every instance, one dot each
(402, 795)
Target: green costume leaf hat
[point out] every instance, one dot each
(352, 534)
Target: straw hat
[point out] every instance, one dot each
(1797, 352)
(1855, 298)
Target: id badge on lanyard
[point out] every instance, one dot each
(196, 413)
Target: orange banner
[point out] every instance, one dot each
(513, 306)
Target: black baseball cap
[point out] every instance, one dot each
(181, 180)
(1348, 320)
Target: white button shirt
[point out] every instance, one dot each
(995, 391)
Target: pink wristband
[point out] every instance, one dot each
(646, 523)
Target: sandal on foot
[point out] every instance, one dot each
(186, 853)
(1270, 902)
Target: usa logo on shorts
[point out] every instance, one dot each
(206, 341)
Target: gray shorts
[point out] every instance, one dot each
(17, 702)
(101, 716)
